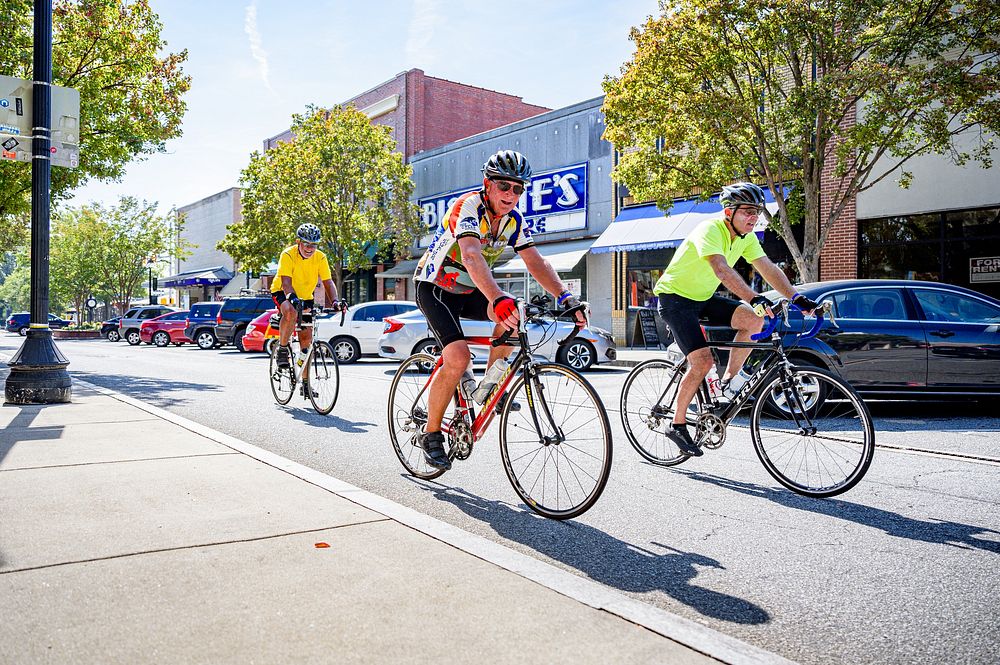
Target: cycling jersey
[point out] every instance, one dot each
(690, 275)
(305, 273)
(442, 264)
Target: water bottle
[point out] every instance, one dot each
(490, 380)
(736, 383)
(468, 385)
(300, 359)
(714, 389)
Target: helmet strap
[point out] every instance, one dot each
(729, 223)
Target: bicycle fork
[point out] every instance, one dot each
(797, 408)
(530, 378)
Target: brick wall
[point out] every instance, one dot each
(839, 258)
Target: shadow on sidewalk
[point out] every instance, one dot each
(158, 392)
(606, 559)
(963, 536)
(16, 431)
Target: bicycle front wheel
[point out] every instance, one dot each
(560, 466)
(324, 378)
(647, 408)
(408, 414)
(812, 432)
(282, 379)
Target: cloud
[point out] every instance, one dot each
(256, 44)
(421, 33)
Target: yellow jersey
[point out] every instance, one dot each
(305, 273)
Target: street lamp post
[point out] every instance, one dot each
(152, 299)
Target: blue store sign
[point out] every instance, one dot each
(554, 201)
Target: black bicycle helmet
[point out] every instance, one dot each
(508, 165)
(309, 233)
(742, 193)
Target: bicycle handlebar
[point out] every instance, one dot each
(529, 311)
(784, 305)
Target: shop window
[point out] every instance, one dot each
(640, 287)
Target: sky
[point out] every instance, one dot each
(254, 63)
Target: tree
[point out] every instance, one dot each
(130, 94)
(767, 90)
(15, 292)
(341, 174)
(78, 257)
(137, 234)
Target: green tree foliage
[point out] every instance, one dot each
(131, 92)
(15, 292)
(79, 256)
(766, 90)
(341, 174)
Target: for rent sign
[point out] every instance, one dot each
(984, 269)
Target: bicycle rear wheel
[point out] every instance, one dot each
(812, 432)
(647, 409)
(282, 379)
(324, 378)
(559, 473)
(407, 412)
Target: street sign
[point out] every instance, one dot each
(15, 123)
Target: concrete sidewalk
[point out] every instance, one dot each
(131, 535)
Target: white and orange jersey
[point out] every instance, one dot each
(442, 264)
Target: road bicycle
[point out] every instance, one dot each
(809, 427)
(316, 372)
(555, 439)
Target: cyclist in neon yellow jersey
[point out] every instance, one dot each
(686, 294)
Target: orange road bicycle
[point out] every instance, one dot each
(555, 440)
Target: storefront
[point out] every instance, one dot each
(199, 285)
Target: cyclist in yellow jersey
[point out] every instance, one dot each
(686, 295)
(300, 268)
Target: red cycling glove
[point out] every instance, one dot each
(504, 306)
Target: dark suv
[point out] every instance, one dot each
(236, 314)
(19, 322)
(200, 326)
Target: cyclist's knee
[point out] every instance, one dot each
(700, 361)
(746, 320)
(457, 355)
(287, 309)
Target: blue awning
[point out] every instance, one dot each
(645, 227)
(202, 277)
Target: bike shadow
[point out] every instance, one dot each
(940, 532)
(304, 413)
(606, 559)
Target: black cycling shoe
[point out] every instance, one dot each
(433, 445)
(681, 437)
(514, 406)
(283, 358)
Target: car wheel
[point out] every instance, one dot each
(269, 346)
(578, 354)
(429, 346)
(113, 335)
(812, 394)
(205, 339)
(161, 339)
(346, 349)
(132, 337)
(238, 339)
(22, 331)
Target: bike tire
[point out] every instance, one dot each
(283, 380)
(407, 414)
(641, 393)
(578, 413)
(323, 386)
(820, 464)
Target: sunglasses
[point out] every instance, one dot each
(506, 186)
(309, 245)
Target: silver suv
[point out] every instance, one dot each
(129, 325)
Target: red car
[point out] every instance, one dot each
(164, 330)
(258, 335)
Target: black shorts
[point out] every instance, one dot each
(684, 318)
(307, 305)
(444, 309)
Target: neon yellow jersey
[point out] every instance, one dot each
(305, 273)
(690, 275)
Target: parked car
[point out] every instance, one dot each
(902, 338)
(408, 333)
(128, 327)
(236, 314)
(109, 329)
(165, 330)
(200, 324)
(362, 328)
(257, 338)
(19, 322)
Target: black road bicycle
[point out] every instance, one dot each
(317, 372)
(810, 429)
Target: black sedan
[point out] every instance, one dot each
(903, 338)
(109, 329)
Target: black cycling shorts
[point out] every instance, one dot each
(684, 318)
(444, 309)
(307, 305)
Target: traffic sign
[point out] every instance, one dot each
(16, 123)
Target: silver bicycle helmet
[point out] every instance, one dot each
(308, 233)
(742, 193)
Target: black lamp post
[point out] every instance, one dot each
(152, 300)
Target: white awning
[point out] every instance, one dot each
(402, 269)
(562, 256)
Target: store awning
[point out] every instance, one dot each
(401, 270)
(203, 276)
(647, 227)
(562, 256)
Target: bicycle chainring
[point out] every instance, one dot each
(460, 438)
(710, 431)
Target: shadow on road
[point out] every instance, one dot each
(606, 559)
(304, 413)
(963, 536)
(158, 392)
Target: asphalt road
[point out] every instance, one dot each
(901, 569)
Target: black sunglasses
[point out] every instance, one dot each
(506, 185)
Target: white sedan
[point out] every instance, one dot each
(362, 327)
(407, 334)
